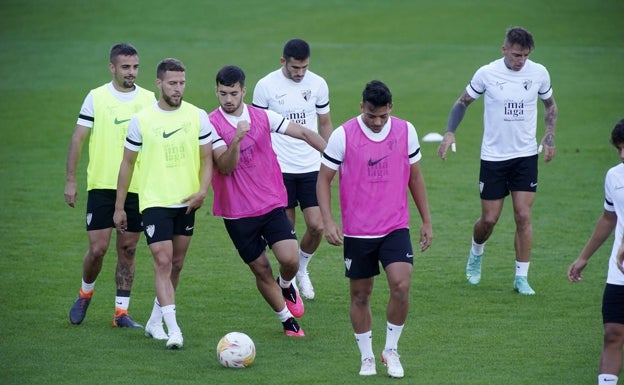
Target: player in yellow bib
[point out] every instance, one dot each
(104, 117)
(175, 141)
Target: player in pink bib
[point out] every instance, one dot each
(250, 194)
(377, 158)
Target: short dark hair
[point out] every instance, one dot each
(122, 49)
(520, 36)
(617, 135)
(230, 75)
(169, 64)
(377, 94)
(297, 49)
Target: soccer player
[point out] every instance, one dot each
(509, 151)
(175, 141)
(250, 195)
(377, 156)
(104, 117)
(302, 97)
(613, 298)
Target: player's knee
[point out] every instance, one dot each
(97, 250)
(316, 230)
(488, 223)
(360, 298)
(614, 335)
(523, 218)
(128, 252)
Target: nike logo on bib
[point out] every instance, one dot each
(168, 134)
(374, 162)
(117, 121)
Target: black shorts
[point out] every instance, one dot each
(101, 207)
(251, 235)
(613, 304)
(162, 223)
(301, 189)
(362, 255)
(497, 179)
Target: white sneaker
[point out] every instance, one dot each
(390, 358)
(305, 285)
(368, 367)
(155, 331)
(175, 341)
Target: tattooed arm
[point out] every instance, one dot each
(455, 117)
(550, 118)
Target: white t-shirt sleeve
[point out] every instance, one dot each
(545, 90)
(322, 106)
(260, 95)
(277, 122)
(335, 150)
(206, 130)
(87, 112)
(476, 87)
(413, 146)
(134, 139)
(608, 202)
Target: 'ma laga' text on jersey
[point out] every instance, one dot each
(510, 107)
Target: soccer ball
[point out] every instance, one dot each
(236, 350)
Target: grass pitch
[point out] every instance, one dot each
(426, 51)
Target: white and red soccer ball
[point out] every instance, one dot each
(236, 350)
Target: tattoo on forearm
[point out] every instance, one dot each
(550, 118)
(465, 99)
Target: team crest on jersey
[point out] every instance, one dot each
(348, 263)
(527, 84)
(391, 144)
(306, 94)
(150, 229)
(89, 217)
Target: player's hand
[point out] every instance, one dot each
(242, 128)
(120, 220)
(194, 201)
(333, 234)
(549, 152)
(426, 236)
(575, 271)
(447, 141)
(71, 194)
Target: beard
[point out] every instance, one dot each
(170, 102)
(230, 108)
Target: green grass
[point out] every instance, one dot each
(53, 52)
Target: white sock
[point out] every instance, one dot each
(393, 333)
(304, 259)
(365, 344)
(156, 316)
(522, 269)
(122, 303)
(87, 287)
(284, 315)
(477, 248)
(169, 315)
(610, 379)
(284, 284)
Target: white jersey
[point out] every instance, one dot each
(510, 107)
(614, 202)
(298, 102)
